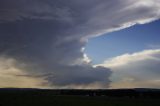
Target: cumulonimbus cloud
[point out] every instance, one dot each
(48, 35)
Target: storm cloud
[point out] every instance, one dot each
(46, 37)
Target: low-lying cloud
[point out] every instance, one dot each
(141, 69)
(11, 76)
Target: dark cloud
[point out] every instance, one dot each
(48, 35)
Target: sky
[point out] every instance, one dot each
(128, 45)
(129, 40)
(79, 44)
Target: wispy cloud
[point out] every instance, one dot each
(154, 46)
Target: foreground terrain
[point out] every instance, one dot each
(36, 97)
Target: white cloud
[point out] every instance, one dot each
(141, 69)
(126, 59)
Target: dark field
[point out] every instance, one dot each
(53, 98)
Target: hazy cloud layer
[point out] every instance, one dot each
(141, 69)
(11, 76)
(48, 35)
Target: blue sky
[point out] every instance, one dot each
(129, 40)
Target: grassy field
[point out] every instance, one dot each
(46, 97)
(29, 100)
